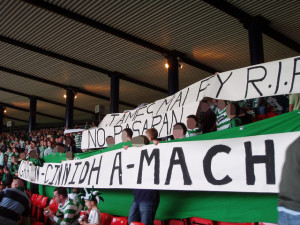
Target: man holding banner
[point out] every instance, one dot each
(289, 195)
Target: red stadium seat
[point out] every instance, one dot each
(136, 223)
(53, 206)
(33, 198)
(119, 221)
(177, 222)
(38, 200)
(271, 114)
(229, 223)
(158, 222)
(41, 205)
(200, 221)
(106, 218)
(261, 117)
(38, 223)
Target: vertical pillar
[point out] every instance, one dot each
(1, 118)
(69, 108)
(255, 41)
(32, 114)
(114, 93)
(173, 79)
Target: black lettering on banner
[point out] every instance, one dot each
(222, 83)
(113, 115)
(121, 120)
(154, 123)
(165, 102)
(136, 130)
(203, 89)
(148, 106)
(187, 92)
(278, 78)
(294, 73)
(178, 99)
(117, 167)
(21, 169)
(137, 112)
(95, 169)
(117, 132)
(145, 127)
(165, 122)
(255, 80)
(144, 155)
(66, 173)
(207, 164)
(267, 159)
(59, 174)
(175, 120)
(90, 136)
(102, 137)
(37, 173)
(57, 168)
(76, 164)
(28, 169)
(180, 161)
(49, 165)
(87, 166)
(130, 115)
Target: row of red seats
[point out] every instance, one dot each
(265, 116)
(111, 220)
(39, 202)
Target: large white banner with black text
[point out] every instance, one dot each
(248, 164)
(268, 79)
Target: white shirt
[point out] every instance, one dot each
(95, 217)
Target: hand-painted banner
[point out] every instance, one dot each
(268, 79)
(248, 164)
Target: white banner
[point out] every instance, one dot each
(248, 164)
(267, 79)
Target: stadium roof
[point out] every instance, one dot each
(48, 46)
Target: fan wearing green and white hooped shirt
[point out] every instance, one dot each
(192, 126)
(219, 108)
(68, 210)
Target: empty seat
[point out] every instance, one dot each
(33, 198)
(229, 223)
(271, 114)
(158, 222)
(41, 205)
(34, 201)
(200, 221)
(53, 205)
(119, 221)
(106, 218)
(177, 222)
(261, 117)
(38, 223)
(136, 223)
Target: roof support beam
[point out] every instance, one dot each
(42, 99)
(243, 17)
(113, 31)
(79, 63)
(32, 114)
(49, 82)
(1, 117)
(26, 110)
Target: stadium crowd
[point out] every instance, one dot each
(212, 115)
